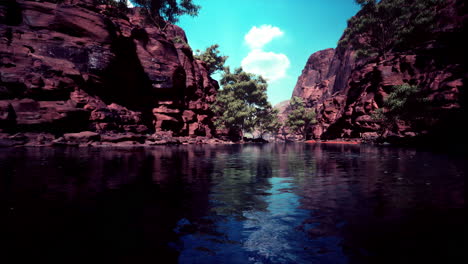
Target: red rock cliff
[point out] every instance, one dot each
(345, 92)
(74, 66)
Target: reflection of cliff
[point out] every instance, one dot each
(275, 201)
(240, 178)
(376, 172)
(381, 201)
(99, 204)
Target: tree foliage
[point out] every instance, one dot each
(115, 8)
(214, 61)
(383, 25)
(404, 103)
(242, 105)
(168, 11)
(113, 3)
(300, 118)
(267, 121)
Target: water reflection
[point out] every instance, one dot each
(274, 203)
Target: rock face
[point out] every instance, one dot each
(283, 110)
(75, 66)
(316, 78)
(346, 92)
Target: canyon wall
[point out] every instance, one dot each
(76, 66)
(345, 91)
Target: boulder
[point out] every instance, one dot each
(123, 137)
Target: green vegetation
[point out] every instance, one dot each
(180, 40)
(384, 25)
(114, 8)
(162, 12)
(300, 118)
(403, 103)
(268, 122)
(211, 57)
(241, 105)
(121, 4)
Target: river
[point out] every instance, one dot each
(271, 203)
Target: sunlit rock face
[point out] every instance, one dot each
(75, 66)
(315, 78)
(346, 91)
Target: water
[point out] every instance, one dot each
(274, 203)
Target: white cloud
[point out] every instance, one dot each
(272, 66)
(258, 37)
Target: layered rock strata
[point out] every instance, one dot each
(345, 92)
(75, 66)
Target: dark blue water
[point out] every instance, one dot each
(274, 203)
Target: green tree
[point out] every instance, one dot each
(383, 25)
(404, 103)
(300, 118)
(114, 8)
(267, 121)
(162, 12)
(284, 131)
(241, 101)
(211, 57)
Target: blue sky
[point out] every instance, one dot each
(292, 30)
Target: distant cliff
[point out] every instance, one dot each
(76, 66)
(346, 91)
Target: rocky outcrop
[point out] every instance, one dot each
(74, 66)
(283, 110)
(346, 92)
(316, 78)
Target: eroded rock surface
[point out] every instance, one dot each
(345, 92)
(73, 67)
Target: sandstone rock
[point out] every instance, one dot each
(409, 134)
(193, 128)
(102, 72)
(39, 139)
(82, 137)
(283, 110)
(126, 143)
(164, 122)
(155, 143)
(365, 118)
(165, 110)
(123, 137)
(188, 116)
(7, 115)
(62, 142)
(314, 82)
(436, 66)
(369, 136)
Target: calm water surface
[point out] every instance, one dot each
(274, 203)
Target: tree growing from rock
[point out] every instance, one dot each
(211, 56)
(300, 118)
(241, 105)
(114, 8)
(162, 12)
(403, 103)
(383, 25)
